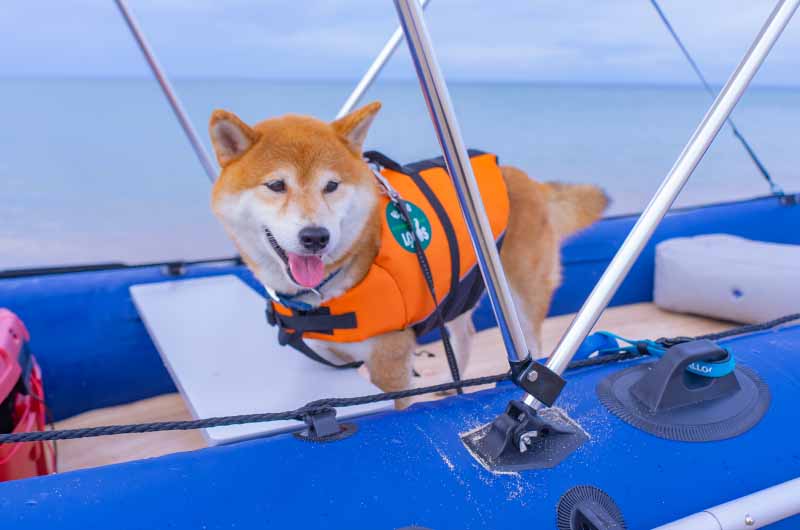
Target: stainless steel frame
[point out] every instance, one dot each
(183, 118)
(687, 161)
(437, 97)
(756, 510)
(448, 132)
(374, 69)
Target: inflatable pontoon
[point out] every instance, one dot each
(695, 430)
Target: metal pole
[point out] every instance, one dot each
(669, 189)
(374, 69)
(756, 510)
(448, 132)
(202, 155)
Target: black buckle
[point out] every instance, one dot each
(537, 380)
(317, 320)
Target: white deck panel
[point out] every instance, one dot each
(225, 359)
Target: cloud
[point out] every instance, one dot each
(582, 40)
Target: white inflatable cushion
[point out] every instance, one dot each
(727, 277)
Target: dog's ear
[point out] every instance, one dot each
(230, 136)
(353, 127)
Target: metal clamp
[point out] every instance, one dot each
(537, 380)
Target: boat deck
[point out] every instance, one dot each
(488, 357)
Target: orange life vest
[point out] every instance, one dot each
(394, 295)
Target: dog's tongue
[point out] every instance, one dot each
(308, 271)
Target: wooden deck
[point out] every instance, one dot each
(488, 357)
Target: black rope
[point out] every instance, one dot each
(322, 405)
(741, 330)
(307, 410)
(739, 136)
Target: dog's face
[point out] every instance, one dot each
(294, 193)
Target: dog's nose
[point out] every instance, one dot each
(314, 238)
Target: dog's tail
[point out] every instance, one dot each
(574, 206)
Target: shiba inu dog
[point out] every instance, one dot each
(305, 211)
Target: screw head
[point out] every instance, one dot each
(532, 376)
(527, 438)
(748, 520)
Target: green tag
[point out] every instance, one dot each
(400, 230)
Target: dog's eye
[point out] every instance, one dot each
(278, 186)
(330, 187)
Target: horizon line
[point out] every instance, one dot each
(395, 80)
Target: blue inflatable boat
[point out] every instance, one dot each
(681, 433)
(400, 468)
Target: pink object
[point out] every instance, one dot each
(21, 460)
(13, 335)
(31, 459)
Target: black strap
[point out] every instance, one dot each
(295, 340)
(447, 226)
(376, 157)
(400, 204)
(319, 321)
(426, 271)
(384, 161)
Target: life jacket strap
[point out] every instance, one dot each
(319, 321)
(378, 159)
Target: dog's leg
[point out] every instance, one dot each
(528, 306)
(461, 331)
(530, 255)
(389, 363)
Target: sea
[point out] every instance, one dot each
(98, 170)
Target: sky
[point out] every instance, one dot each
(585, 41)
